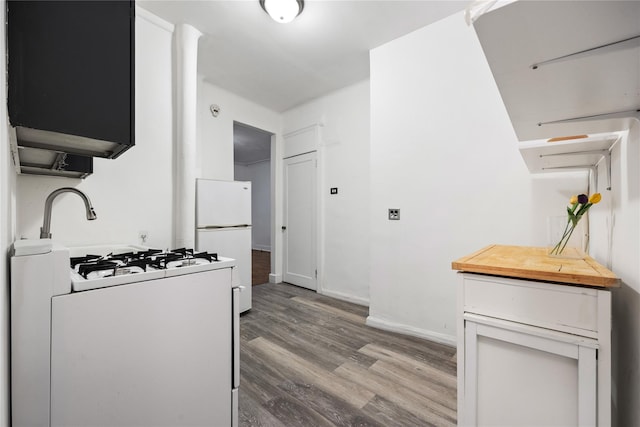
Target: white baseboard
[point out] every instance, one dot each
(413, 331)
(275, 278)
(344, 297)
(263, 248)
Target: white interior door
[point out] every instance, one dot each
(299, 225)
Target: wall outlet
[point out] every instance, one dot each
(394, 214)
(333, 190)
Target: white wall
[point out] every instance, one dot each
(215, 134)
(343, 163)
(615, 237)
(260, 176)
(215, 147)
(134, 192)
(7, 233)
(443, 151)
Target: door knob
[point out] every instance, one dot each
(284, 227)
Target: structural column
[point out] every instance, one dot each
(186, 112)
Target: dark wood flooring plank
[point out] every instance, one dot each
(360, 310)
(258, 376)
(285, 290)
(318, 330)
(293, 413)
(319, 336)
(391, 415)
(330, 310)
(421, 370)
(434, 354)
(304, 371)
(307, 359)
(300, 346)
(253, 414)
(424, 350)
(445, 396)
(362, 359)
(260, 267)
(334, 409)
(430, 411)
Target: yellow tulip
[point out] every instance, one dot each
(573, 200)
(595, 198)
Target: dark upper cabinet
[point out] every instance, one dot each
(71, 75)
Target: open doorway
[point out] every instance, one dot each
(252, 162)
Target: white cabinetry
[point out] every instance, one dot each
(532, 353)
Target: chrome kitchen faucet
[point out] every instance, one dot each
(45, 230)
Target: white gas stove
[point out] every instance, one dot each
(123, 335)
(94, 267)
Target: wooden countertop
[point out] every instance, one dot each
(526, 262)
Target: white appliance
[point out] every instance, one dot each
(122, 336)
(223, 225)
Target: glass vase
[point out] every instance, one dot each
(564, 240)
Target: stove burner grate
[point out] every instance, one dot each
(85, 269)
(84, 259)
(132, 262)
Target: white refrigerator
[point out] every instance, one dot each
(223, 226)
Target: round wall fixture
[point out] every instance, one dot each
(215, 110)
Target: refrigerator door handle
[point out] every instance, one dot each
(236, 338)
(216, 227)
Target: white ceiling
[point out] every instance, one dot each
(280, 66)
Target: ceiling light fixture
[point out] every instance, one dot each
(282, 11)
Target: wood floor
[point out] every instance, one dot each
(260, 267)
(309, 360)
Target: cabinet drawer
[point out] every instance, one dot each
(565, 308)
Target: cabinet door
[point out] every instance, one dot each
(520, 375)
(71, 68)
(154, 353)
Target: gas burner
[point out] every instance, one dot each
(182, 257)
(92, 267)
(183, 251)
(211, 257)
(192, 259)
(148, 253)
(124, 257)
(123, 264)
(84, 259)
(161, 260)
(100, 266)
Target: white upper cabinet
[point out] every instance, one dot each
(565, 67)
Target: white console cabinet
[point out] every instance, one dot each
(532, 352)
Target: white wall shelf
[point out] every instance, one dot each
(583, 153)
(568, 67)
